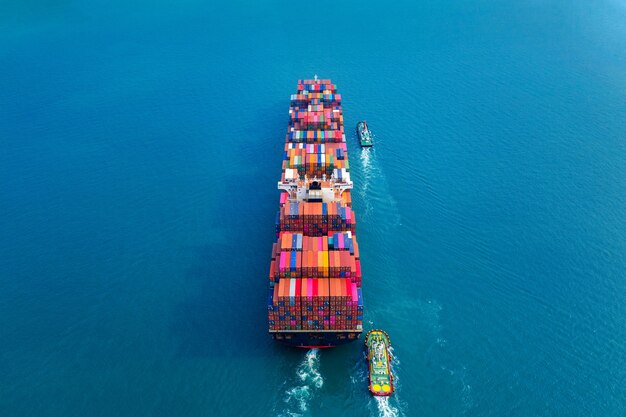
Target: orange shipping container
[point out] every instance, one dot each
(272, 270)
(332, 287)
(285, 242)
(323, 288)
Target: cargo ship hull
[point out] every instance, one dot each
(315, 298)
(316, 340)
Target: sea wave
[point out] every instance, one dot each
(385, 409)
(373, 188)
(308, 380)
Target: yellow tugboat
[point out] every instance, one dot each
(379, 358)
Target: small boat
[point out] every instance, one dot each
(379, 358)
(365, 136)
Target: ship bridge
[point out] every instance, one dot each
(323, 190)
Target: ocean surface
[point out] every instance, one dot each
(140, 146)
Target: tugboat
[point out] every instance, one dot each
(365, 136)
(378, 355)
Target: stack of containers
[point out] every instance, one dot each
(324, 159)
(291, 216)
(315, 164)
(315, 303)
(287, 298)
(290, 264)
(338, 303)
(291, 241)
(301, 133)
(295, 158)
(273, 275)
(346, 310)
(315, 117)
(272, 309)
(316, 219)
(342, 241)
(343, 265)
(357, 261)
(315, 264)
(284, 197)
(341, 174)
(313, 243)
(355, 304)
(341, 218)
(346, 199)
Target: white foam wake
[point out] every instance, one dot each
(308, 371)
(374, 178)
(309, 379)
(385, 409)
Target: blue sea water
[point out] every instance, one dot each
(140, 149)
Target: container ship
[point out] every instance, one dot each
(315, 298)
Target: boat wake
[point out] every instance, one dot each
(308, 381)
(385, 409)
(374, 189)
(394, 362)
